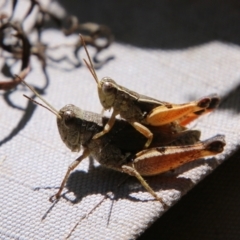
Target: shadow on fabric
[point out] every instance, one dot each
(165, 24)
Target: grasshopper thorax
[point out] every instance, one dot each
(107, 92)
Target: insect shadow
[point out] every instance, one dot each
(101, 180)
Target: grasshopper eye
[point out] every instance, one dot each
(108, 87)
(68, 117)
(68, 114)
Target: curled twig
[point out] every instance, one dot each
(8, 85)
(21, 51)
(23, 48)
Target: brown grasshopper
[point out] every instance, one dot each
(140, 110)
(172, 145)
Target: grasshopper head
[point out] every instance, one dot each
(107, 90)
(69, 126)
(68, 121)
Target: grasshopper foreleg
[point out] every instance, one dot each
(108, 126)
(144, 131)
(72, 166)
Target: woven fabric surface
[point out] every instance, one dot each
(33, 163)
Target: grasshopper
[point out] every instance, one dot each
(171, 147)
(140, 110)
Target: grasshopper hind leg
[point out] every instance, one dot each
(183, 113)
(213, 104)
(133, 172)
(153, 161)
(158, 160)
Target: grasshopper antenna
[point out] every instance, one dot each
(38, 103)
(90, 64)
(49, 107)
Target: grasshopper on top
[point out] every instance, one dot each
(140, 110)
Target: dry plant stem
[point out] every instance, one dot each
(24, 47)
(8, 85)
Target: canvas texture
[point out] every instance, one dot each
(34, 161)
